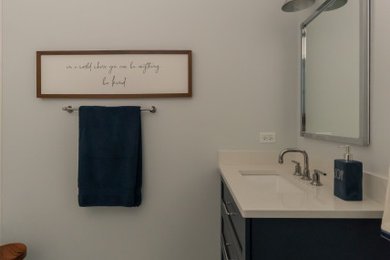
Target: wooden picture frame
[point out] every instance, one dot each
(114, 74)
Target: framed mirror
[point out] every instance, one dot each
(335, 72)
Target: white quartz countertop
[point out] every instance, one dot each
(269, 190)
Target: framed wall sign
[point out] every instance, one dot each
(114, 74)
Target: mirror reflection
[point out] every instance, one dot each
(335, 74)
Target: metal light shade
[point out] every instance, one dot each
(336, 4)
(296, 5)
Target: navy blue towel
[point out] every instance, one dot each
(110, 156)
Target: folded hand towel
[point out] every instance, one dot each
(385, 228)
(110, 156)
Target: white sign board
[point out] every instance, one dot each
(113, 74)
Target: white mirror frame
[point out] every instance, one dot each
(364, 81)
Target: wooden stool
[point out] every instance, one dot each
(14, 251)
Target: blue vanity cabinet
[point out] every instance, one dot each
(298, 239)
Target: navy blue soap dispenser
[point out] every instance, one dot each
(348, 177)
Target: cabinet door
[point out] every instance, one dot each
(318, 239)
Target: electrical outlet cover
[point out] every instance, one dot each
(267, 137)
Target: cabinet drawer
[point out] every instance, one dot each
(230, 209)
(228, 244)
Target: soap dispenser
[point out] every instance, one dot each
(348, 177)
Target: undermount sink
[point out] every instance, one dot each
(269, 180)
(258, 172)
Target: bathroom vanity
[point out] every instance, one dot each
(267, 213)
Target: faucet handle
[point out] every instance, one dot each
(298, 170)
(316, 178)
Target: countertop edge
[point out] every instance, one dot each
(313, 214)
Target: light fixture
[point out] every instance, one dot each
(336, 4)
(296, 5)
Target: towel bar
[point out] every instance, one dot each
(71, 109)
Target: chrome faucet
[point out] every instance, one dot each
(306, 171)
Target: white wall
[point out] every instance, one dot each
(1, 101)
(244, 57)
(376, 156)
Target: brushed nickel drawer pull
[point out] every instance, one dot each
(226, 210)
